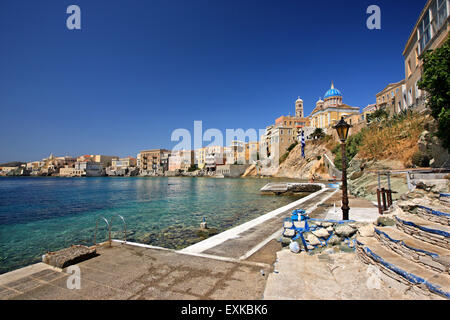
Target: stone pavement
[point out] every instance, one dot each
(337, 276)
(128, 272)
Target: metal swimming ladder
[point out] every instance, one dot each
(124, 226)
(109, 226)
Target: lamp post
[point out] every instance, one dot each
(342, 129)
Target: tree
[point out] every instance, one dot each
(436, 82)
(352, 148)
(378, 116)
(318, 133)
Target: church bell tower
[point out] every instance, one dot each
(299, 108)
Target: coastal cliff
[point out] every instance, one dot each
(297, 167)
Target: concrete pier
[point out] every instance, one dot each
(226, 266)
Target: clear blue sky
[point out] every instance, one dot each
(140, 69)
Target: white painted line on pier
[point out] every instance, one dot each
(261, 244)
(141, 245)
(200, 255)
(234, 232)
(279, 232)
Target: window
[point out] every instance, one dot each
(409, 68)
(417, 56)
(424, 31)
(439, 14)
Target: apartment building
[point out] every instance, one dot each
(88, 169)
(430, 32)
(251, 152)
(181, 160)
(123, 163)
(390, 98)
(155, 161)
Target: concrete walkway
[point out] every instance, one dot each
(242, 241)
(339, 276)
(123, 272)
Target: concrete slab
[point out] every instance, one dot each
(339, 276)
(245, 240)
(24, 272)
(357, 214)
(250, 227)
(126, 272)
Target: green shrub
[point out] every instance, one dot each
(352, 148)
(192, 168)
(284, 157)
(436, 82)
(292, 146)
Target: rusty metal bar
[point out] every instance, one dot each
(383, 194)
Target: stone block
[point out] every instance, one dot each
(70, 256)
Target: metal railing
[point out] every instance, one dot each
(109, 226)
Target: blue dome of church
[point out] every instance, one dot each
(333, 92)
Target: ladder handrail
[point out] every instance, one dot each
(96, 228)
(124, 225)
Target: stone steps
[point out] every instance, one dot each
(437, 215)
(425, 230)
(444, 199)
(371, 251)
(428, 255)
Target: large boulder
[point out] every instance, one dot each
(432, 146)
(312, 239)
(344, 230)
(321, 233)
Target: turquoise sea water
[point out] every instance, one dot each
(47, 214)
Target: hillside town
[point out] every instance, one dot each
(429, 33)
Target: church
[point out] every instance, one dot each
(330, 110)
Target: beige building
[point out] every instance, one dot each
(330, 110)
(235, 153)
(8, 169)
(106, 161)
(70, 171)
(390, 99)
(430, 32)
(155, 160)
(200, 157)
(231, 171)
(371, 108)
(251, 152)
(281, 139)
(265, 143)
(123, 163)
(181, 160)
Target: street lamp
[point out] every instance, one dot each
(342, 129)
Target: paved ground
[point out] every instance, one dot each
(242, 243)
(358, 208)
(128, 272)
(338, 276)
(235, 267)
